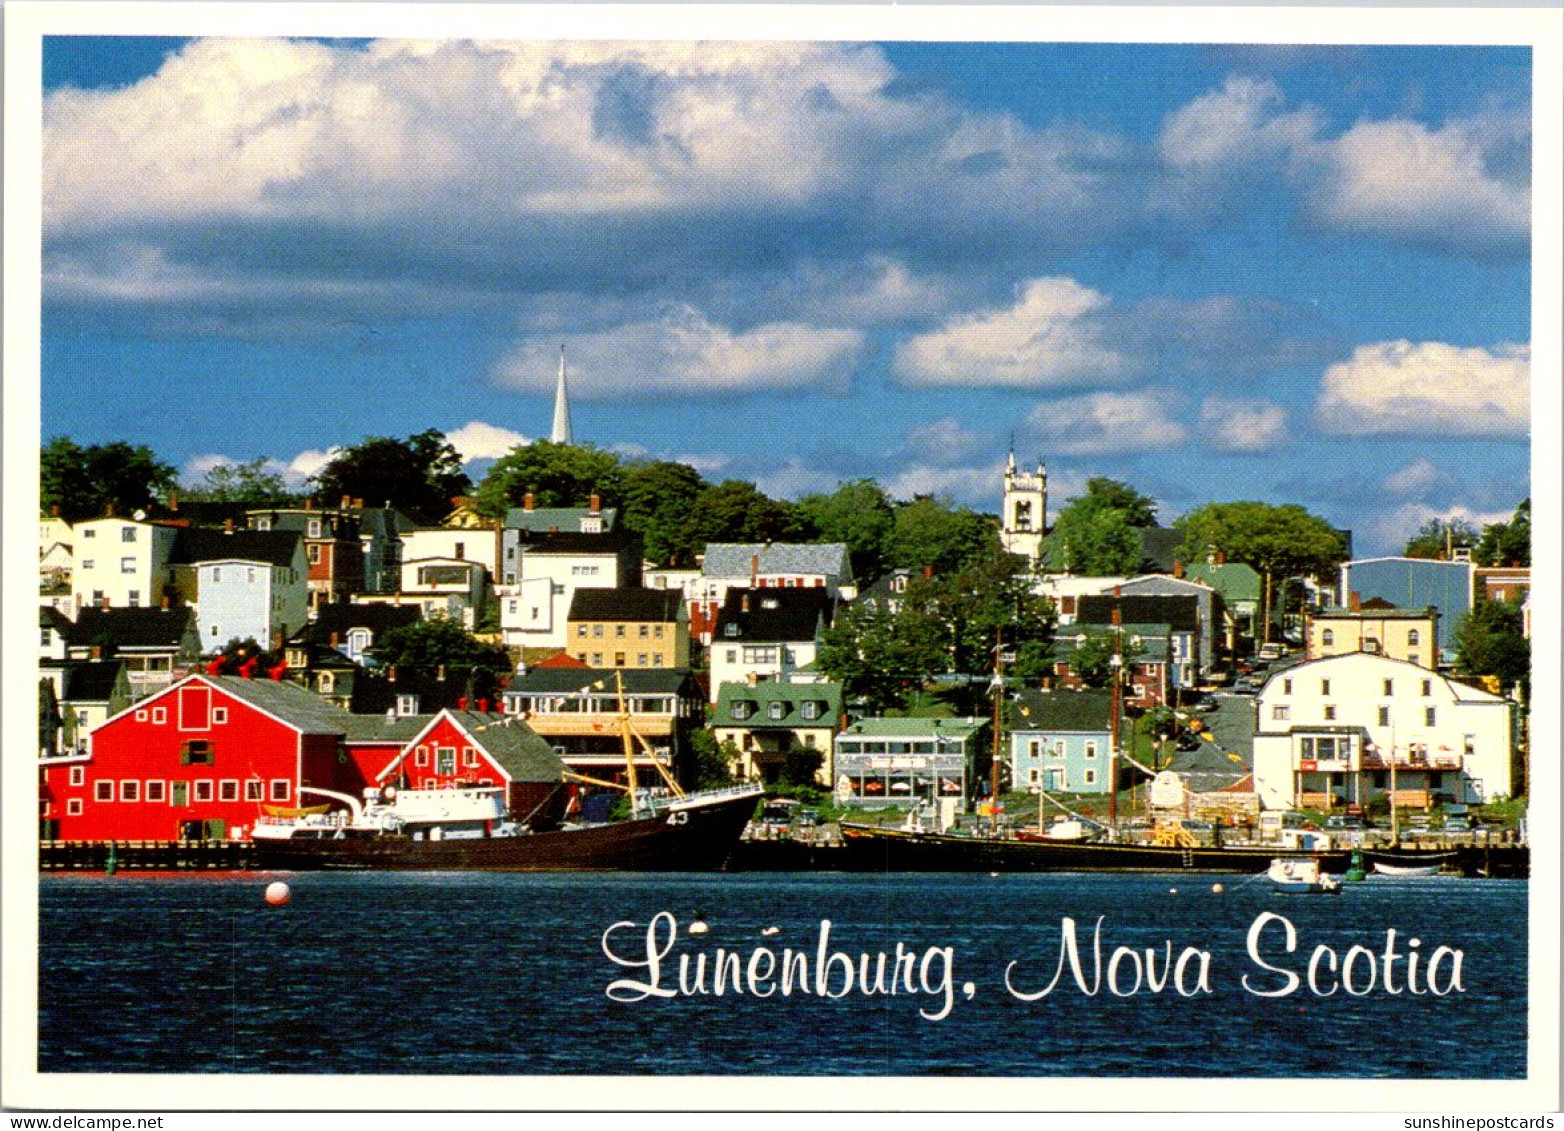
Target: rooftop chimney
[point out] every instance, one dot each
(228, 526)
(928, 572)
(167, 602)
(1220, 557)
(1354, 602)
(104, 604)
(96, 652)
(54, 510)
(173, 500)
(440, 672)
(108, 511)
(744, 602)
(528, 502)
(1178, 568)
(347, 501)
(596, 503)
(309, 503)
(754, 571)
(358, 504)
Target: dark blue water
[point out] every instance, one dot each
(505, 974)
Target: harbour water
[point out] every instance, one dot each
(507, 975)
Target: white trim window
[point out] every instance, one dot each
(282, 789)
(254, 790)
(219, 716)
(78, 775)
(228, 789)
(73, 807)
(203, 790)
(103, 791)
(156, 792)
(130, 790)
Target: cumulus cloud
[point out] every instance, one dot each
(970, 485)
(685, 353)
(1392, 528)
(476, 440)
(294, 473)
(1428, 388)
(946, 442)
(1051, 336)
(1242, 426)
(1106, 422)
(1463, 185)
(307, 463)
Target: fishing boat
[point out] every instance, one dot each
(1410, 866)
(1301, 875)
(470, 828)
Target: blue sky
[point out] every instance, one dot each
(1292, 274)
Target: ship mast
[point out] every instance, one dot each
(1114, 664)
(999, 697)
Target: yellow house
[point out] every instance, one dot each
(628, 628)
(1400, 634)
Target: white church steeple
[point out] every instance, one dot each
(561, 433)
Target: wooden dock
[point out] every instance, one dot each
(145, 856)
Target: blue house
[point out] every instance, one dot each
(1060, 740)
(1414, 583)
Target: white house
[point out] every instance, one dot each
(1065, 590)
(1330, 732)
(430, 543)
(549, 568)
(767, 634)
(121, 561)
(244, 584)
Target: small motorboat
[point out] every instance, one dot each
(1301, 875)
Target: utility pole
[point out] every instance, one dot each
(999, 696)
(1115, 665)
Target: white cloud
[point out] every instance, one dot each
(1242, 426)
(1428, 388)
(687, 354)
(1106, 422)
(476, 440)
(1402, 177)
(972, 486)
(1417, 477)
(794, 478)
(307, 463)
(1050, 337)
(1238, 124)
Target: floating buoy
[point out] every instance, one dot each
(278, 894)
(993, 875)
(1172, 891)
(769, 931)
(1218, 888)
(698, 925)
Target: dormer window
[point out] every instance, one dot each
(810, 709)
(730, 629)
(742, 709)
(406, 705)
(776, 710)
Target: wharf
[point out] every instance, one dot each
(146, 856)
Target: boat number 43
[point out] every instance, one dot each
(678, 817)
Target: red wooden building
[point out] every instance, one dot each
(206, 757)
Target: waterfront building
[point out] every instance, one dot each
(1330, 731)
(907, 761)
(1060, 741)
(782, 731)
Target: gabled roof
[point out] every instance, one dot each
(560, 660)
(1234, 580)
(571, 681)
(199, 544)
(542, 519)
(294, 705)
(132, 628)
(385, 727)
(772, 615)
(791, 695)
(51, 617)
(383, 522)
(1089, 712)
(517, 748)
(736, 559)
(1182, 613)
(656, 605)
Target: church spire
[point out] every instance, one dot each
(561, 433)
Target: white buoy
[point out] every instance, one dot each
(769, 931)
(278, 894)
(993, 875)
(1218, 888)
(1172, 891)
(698, 926)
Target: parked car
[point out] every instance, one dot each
(1458, 824)
(1345, 821)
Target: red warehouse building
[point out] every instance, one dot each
(205, 759)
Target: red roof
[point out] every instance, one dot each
(560, 660)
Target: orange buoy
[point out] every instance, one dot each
(278, 894)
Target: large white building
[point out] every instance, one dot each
(1330, 731)
(1023, 519)
(534, 607)
(121, 562)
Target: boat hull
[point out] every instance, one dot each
(695, 838)
(896, 850)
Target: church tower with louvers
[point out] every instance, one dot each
(1024, 518)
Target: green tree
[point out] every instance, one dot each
(1092, 659)
(1490, 641)
(658, 498)
(1438, 535)
(1506, 543)
(252, 482)
(1097, 534)
(933, 533)
(737, 511)
(1276, 541)
(557, 475)
(87, 480)
(990, 602)
(420, 475)
(878, 655)
(711, 766)
(426, 646)
(858, 514)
